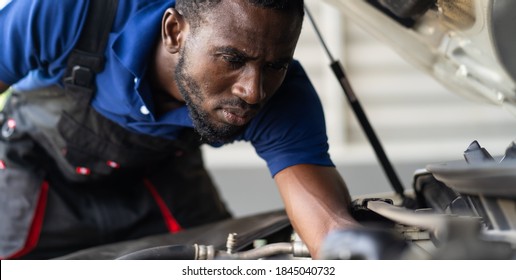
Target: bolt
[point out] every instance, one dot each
(231, 242)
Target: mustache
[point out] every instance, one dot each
(240, 104)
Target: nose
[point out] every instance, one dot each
(249, 87)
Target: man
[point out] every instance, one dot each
(81, 167)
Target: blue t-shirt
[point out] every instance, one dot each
(37, 37)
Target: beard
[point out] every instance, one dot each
(210, 131)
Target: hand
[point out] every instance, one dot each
(363, 244)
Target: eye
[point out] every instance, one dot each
(280, 66)
(233, 60)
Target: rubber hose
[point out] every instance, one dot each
(169, 252)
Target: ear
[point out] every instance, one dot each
(173, 30)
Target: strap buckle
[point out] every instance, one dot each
(80, 76)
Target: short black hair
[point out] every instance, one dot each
(192, 9)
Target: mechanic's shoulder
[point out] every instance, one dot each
(63, 8)
(49, 14)
(53, 7)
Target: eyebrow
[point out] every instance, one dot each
(239, 53)
(233, 51)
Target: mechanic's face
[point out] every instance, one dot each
(232, 64)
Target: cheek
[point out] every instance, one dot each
(215, 83)
(207, 78)
(213, 90)
(214, 87)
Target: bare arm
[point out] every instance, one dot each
(316, 200)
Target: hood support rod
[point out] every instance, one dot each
(338, 70)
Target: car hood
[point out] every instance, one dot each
(467, 45)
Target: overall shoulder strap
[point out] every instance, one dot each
(87, 58)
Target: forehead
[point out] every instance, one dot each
(251, 27)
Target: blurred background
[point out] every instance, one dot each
(417, 120)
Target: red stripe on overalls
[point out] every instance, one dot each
(170, 221)
(36, 225)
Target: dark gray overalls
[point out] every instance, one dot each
(71, 179)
